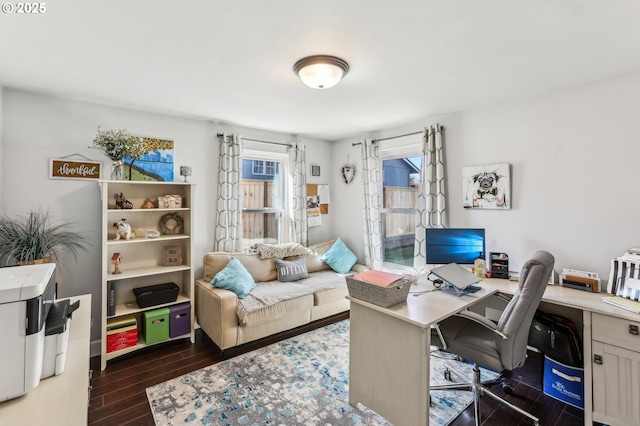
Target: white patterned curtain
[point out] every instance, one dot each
(371, 203)
(228, 225)
(297, 217)
(432, 212)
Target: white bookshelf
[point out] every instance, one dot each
(142, 256)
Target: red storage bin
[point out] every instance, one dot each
(122, 333)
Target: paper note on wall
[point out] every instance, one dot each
(323, 193)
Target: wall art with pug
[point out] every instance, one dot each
(487, 187)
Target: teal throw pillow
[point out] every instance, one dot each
(236, 278)
(339, 257)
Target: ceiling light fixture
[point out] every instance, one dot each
(321, 71)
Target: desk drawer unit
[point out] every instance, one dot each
(616, 331)
(616, 370)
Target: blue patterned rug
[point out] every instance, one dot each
(303, 380)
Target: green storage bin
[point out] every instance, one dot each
(156, 325)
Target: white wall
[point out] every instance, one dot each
(1, 155)
(574, 155)
(37, 127)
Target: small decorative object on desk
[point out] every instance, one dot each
(116, 259)
(186, 172)
(480, 266)
(380, 288)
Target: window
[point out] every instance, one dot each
(267, 168)
(263, 201)
(401, 178)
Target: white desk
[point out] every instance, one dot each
(59, 400)
(389, 350)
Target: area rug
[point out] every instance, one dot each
(303, 380)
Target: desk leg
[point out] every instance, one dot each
(389, 366)
(588, 373)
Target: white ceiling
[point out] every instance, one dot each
(231, 61)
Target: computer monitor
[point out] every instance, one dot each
(454, 245)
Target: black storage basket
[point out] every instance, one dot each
(156, 294)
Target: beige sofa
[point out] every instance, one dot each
(272, 306)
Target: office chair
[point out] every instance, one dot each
(502, 346)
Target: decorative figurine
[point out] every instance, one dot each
(116, 259)
(123, 229)
(148, 204)
(122, 202)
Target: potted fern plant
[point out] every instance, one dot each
(32, 239)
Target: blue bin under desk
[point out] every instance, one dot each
(564, 382)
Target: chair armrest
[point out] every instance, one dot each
(477, 318)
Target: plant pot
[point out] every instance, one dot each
(33, 262)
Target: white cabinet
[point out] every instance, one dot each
(145, 259)
(616, 370)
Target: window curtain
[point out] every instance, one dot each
(371, 203)
(297, 220)
(228, 224)
(432, 212)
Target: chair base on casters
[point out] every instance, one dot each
(477, 387)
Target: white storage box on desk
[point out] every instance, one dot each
(380, 288)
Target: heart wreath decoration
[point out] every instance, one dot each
(348, 172)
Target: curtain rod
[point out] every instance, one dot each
(273, 143)
(258, 140)
(386, 139)
(399, 136)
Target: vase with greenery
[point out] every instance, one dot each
(117, 144)
(33, 239)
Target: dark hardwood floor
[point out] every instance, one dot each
(118, 395)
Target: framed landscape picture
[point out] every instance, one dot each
(156, 164)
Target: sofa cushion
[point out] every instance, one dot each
(279, 310)
(234, 277)
(260, 269)
(214, 263)
(292, 270)
(314, 257)
(329, 295)
(339, 257)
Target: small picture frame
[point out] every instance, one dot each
(315, 170)
(172, 256)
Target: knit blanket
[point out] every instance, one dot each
(271, 251)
